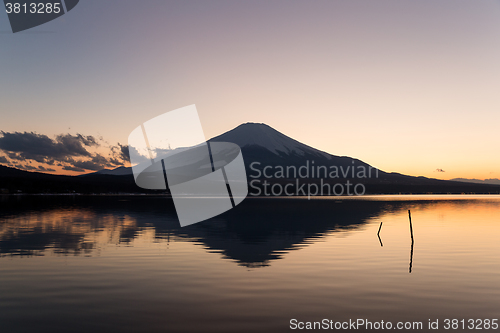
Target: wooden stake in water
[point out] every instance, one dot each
(412, 241)
(411, 227)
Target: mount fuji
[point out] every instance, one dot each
(269, 147)
(264, 136)
(262, 143)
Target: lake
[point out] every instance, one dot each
(123, 264)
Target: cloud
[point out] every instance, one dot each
(71, 168)
(41, 168)
(439, 170)
(15, 156)
(125, 154)
(138, 158)
(72, 152)
(121, 152)
(25, 167)
(96, 163)
(41, 148)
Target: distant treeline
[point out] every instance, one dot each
(17, 181)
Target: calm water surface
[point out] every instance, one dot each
(123, 264)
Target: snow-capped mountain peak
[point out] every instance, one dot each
(257, 134)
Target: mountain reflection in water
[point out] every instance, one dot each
(254, 234)
(101, 264)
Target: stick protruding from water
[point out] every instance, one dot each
(411, 227)
(412, 241)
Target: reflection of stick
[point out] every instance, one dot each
(378, 234)
(412, 241)
(411, 256)
(380, 240)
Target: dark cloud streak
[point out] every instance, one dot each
(39, 147)
(71, 168)
(68, 151)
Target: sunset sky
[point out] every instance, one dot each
(406, 86)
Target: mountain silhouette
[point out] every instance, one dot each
(262, 143)
(494, 181)
(264, 136)
(120, 171)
